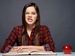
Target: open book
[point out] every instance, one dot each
(30, 53)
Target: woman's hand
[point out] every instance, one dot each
(14, 49)
(23, 48)
(27, 48)
(19, 48)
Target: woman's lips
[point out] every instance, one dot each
(30, 20)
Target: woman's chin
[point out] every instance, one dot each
(30, 23)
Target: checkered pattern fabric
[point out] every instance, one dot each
(44, 39)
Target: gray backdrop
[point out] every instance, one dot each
(58, 15)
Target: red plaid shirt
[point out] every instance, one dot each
(45, 39)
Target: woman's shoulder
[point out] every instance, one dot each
(43, 26)
(18, 27)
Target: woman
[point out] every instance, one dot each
(30, 36)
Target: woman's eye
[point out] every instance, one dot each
(26, 13)
(33, 13)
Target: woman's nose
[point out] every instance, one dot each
(29, 15)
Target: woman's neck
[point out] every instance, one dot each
(30, 27)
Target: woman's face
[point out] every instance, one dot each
(30, 15)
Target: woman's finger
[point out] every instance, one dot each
(25, 47)
(14, 47)
(19, 49)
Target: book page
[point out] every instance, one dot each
(43, 52)
(32, 53)
(17, 53)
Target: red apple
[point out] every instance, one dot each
(67, 49)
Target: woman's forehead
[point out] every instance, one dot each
(31, 8)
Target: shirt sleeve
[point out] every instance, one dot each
(49, 44)
(8, 44)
